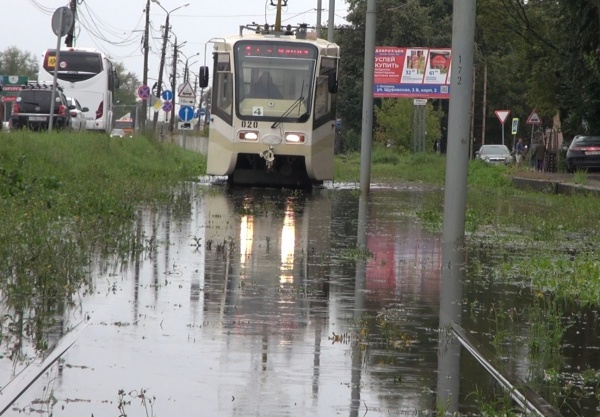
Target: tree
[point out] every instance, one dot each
(128, 85)
(16, 62)
(395, 124)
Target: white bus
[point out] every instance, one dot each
(89, 76)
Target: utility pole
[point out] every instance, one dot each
(319, 8)
(331, 20)
(367, 118)
(161, 69)
(71, 34)
(145, 70)
(173, 86)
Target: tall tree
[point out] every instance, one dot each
(16, 62)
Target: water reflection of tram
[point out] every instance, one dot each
(273, 107)
(265, 242)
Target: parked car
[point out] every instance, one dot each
(117, 133)
(494, 154)
(583, 153)
(78, 122)
(31, 109)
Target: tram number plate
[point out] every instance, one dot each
(250, 124)
(271, 139)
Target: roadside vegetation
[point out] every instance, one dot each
(64, 199)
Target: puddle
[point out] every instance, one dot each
(260, 302)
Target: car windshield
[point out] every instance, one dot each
(494, 150)
(586, 140)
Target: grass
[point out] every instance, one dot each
(65, 198)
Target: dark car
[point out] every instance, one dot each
(31, 110)
(583, 153)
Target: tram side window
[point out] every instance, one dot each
(324, 100)
(223, 86)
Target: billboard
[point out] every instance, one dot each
(412, 72)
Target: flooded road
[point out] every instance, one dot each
(257, 302)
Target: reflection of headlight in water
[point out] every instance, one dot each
(288, 243)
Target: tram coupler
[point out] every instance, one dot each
(269, 157)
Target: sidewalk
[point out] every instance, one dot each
(556, 183)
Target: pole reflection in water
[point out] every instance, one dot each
(359, 302)
(448, 387)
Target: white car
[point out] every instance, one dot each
(117, 133)
(495, 154)
(78, 122)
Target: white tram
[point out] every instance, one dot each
(273, 107)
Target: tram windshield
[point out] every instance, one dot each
(274, 77)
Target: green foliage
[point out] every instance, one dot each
(391, 165)
(395, 124)
(16, 62)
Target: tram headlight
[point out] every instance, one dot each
(248, 135)
(295, 137)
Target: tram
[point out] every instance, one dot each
(273, 106)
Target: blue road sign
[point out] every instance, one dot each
(186, 113)
(167, 95)
(143, 92)
(202, 112)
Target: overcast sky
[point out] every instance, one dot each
(116, 26)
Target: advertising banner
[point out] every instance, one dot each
(412, 72)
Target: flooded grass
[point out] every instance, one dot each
(66, 198)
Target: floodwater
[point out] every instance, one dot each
(258, 302)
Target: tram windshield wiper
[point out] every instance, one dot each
(303, 117)
(288, 111)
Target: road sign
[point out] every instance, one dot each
(62, 21)
(420, 102)
(157, 104)
(167, 106)
(502, 115)
(534, 119)
(202, 112)
(184, 126)
(167, 95)
(11, 85)
(186, 113)
(515, 126)
(187, 101)
(186, 90)
(143, 92)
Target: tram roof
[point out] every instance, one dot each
(227, 42)
(297, 34)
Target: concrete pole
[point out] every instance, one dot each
(459, 119)
(367, 120)
(319, 20)
(161, 70)
(56, 62)
(144, 112)
(174, 86)
(331, 22)
(455, 196)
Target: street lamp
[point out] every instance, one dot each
(186, 73)
(162, 55)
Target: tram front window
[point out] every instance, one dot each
(269, 82)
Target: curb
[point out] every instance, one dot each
(555, 187)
